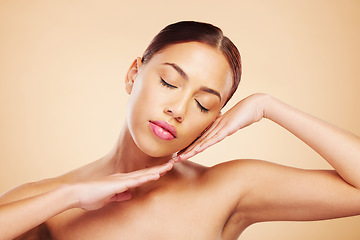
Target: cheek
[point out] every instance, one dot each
(137, 105)
(141, 97)
(195, 127)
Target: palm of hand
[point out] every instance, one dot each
(244, 113)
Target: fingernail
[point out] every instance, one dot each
(176, 159)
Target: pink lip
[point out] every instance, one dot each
(163, 130)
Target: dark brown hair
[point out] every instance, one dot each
(190, 31)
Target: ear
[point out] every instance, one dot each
(132, 74)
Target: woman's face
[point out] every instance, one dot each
(175, 96)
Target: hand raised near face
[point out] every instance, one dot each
(95, 194)
(243, 114)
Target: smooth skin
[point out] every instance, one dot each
(192, 201)
(22, 215)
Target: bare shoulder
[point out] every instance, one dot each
(231, 184)
(243, 176)
(237, 169)
(232, 166)
(236, 179)
(246, 169)
(223, 172)
(227, 184)
(230, 180)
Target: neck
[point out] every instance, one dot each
(127, 157)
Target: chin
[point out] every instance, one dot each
(156, 152)
(152, 148)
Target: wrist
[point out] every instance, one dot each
(265, 102)
(69, 196)
(262, 104)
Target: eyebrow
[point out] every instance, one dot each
(178, 69)
(210, 90)
(185, 76)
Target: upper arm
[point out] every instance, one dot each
(272, 192)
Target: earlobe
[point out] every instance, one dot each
(132, 74)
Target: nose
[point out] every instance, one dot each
(176, 111)
(177, 117)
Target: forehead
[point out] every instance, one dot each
(203, 64)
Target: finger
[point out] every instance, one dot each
(132, 182)
(210, 129)
(211, 141)
(190, 151)
(127, 195)
(215, 128)
(160, 169)
(214, 136)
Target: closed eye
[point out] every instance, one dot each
(202, 108)
(162, 81)
(168, 85)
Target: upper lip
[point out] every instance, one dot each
(167, 126)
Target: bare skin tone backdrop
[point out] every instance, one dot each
(62, 68)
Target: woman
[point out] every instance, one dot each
(176, 93)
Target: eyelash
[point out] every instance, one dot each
(202, 109)
(165, 84)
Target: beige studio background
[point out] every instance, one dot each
(62, 65)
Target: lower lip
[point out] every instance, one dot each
(160, 132)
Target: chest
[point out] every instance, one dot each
(181, 214)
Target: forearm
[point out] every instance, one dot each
(22, 215)
(340, 148)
